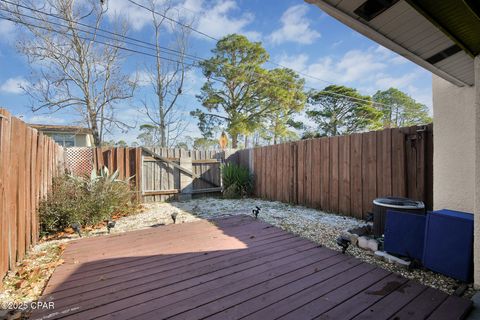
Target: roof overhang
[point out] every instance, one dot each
(60, 128)
(441, 36)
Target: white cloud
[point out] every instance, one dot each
(298, 62)
(295, 27)
(357, 64)
(354, 65)
(6, 27)
(367, 70)
(387, 81)
(7, 30)
(13, 85)
(217, 20)
(212, 18)
(143, 77)
(46, 119)
(137, 17)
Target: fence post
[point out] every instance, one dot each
(186, 180)
(250, 160)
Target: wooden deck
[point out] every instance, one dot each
(230, 269)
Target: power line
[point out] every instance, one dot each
(95, 40)
(172, 60)
(173, 20)
(193, 57)
(274, 63)
(216, 39)
(140, 43)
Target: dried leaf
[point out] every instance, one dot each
(69, 230)
(21, 284)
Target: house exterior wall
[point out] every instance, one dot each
(476, 230)
(83, 140)
(456, 159)
(454, 145)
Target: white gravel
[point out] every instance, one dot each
(315, 225)
(322, 228)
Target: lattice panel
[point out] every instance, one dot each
(79, 161)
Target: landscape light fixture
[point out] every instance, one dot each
(343, 242)
(256, 211)
(174, 217)
(110, 225)
(77, 228)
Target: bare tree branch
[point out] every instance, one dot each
(70, 70)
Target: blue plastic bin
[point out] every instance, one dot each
(449, 244)
(405, 233)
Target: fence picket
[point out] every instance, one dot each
(344, 174)
(25, 158)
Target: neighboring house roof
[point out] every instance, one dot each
(58, 128)
(441, 36)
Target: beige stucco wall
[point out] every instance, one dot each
(456, 157)
(83, 140)
(476, 248)
(454, 146)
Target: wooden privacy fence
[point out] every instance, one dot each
(159, 174)
(344, 174)
(28, 162)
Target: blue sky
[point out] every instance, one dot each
(296, 34)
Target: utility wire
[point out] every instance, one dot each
(95, 40)
(178, 53)
(216, 39)
(87, 32)
(141, 43)
(273, 63)
(173, 20)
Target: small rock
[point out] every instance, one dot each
(4, 313)
(15, 316)
(392, 259)
(372, 245)
(354, 239)
(361, 231)
(363, 242)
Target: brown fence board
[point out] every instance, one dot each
(334, 181)
(384, 163)
(369, 170)
(316, 173)
(28, 162)
(308, 172)
(398, 163)
(301, 172)
(344, 174)
(325, 170)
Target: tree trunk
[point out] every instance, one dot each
(96, 136)
(163, 136)
(234, 141)
(97, 139)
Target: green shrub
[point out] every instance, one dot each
(84, 200)
(237, 181)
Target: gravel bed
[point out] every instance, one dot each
(320, 227)
(317, 226)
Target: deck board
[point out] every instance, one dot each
(230, 268)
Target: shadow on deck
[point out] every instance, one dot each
(231, 268)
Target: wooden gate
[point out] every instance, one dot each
(158, 174)
(179, 173)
